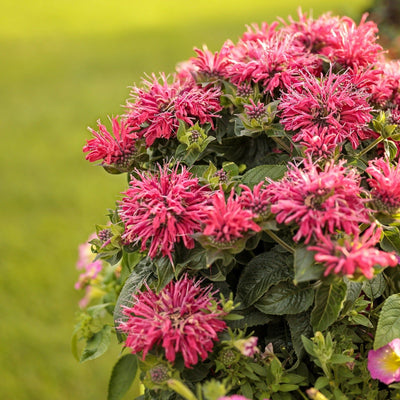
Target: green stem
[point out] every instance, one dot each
(370, 147)
(279, 142)
(279, 240)
(302, 394)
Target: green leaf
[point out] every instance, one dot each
(262, 272)
(142, 273)
(299, 325)
(391, 240)
(389, 322)
(340, 359)
(165, 272)
(329, 300)
(375, 287)
(251, 317)
(128, 263)
(353, 292)
(309, 346)
(285, 298)
(305, 268)
(361, 319)
(258, 174)
(122, 376)
(97, 344)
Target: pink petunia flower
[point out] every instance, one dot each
(385, 183)
(353, 256)
(159, 107)
(162, 209)
(318, 200)
(331, 108)
(181, 318)
(116, 149)
(226, 222)
(384, 363)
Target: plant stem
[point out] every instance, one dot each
(279, 240)
(370, 147)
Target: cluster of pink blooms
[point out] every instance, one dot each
(326, 78)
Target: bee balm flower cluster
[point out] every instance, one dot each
(254, 253)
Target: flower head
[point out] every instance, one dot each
(158, 108)
(354, 256)
(115, 149)
(226, 222)
(331, 108)
(318, 200)
(180, 318)
(385, 183)
(256, 200)
(384, 363)
(162, 209)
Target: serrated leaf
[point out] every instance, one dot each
(299, 325)
(122, 376)
(353, 292)
(258, 174)
(305, 267)
(329, 300)
(389, 322)
(260, 274)
(97, 344)
(375, 287)
(128, 263)
(285, 298)
(142, 273)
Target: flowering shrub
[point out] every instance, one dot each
(254, 253)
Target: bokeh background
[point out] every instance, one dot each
(64, 64)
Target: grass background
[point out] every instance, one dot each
(65, 63)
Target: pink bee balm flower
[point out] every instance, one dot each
(331, 108)
(181, 318)
(354, 46)
(162, 209)
(159, 107)
(318, 200)
(384, 363)
(351, 257)
(226, 222)
(256, 200)
(385, 183)
(114, 149)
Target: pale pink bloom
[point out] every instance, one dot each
(181, 318)
(353, 256)
(233, 397)
(227, 221)
(248, 347)
(319, 201)
(354, 45)
(159, 107)
(162, 209)
(86, 261)
(256, 200)
(385, 184)
(116, 149)
(331, 108)
(384, 363)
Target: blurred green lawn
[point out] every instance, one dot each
(65, 64)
